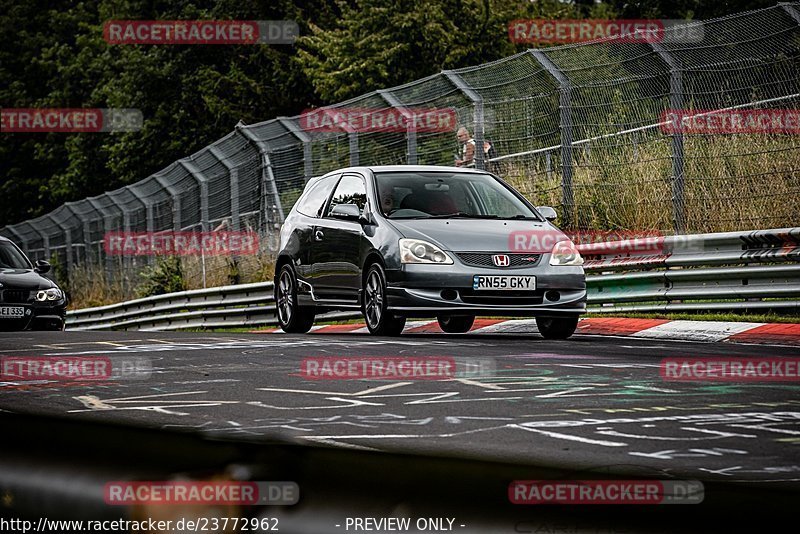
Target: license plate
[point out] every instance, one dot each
(12, 312)
(504, 283)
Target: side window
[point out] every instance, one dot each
(312, 202)
(351, 190)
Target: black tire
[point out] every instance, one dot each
(556, 327)
(380, 321)
(292, 318)
(455, 324)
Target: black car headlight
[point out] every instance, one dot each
(49, 294)
(565, 253)
(418, 251)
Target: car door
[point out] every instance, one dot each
(310, 208)
(337, 245)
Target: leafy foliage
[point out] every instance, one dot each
(54, 55)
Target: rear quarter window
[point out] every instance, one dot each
(313, 199)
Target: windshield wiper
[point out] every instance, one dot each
(524, 217)
(462, 215)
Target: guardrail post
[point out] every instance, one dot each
(268, 177)
(67, 238)
(676, 104)
(411, 129)
(87, 242)
(45, 239)
(176, 201)
(106, 229)
(565, 124)
(68, 249)
(233, 174)
(202, 183)
(21, 241)
(70, 244)
(303, 137)
(126, 261)
(352, 136)
(478, 133)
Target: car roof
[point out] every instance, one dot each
(403, 168)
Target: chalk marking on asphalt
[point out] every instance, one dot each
(434, 398)
(335, 443)
(765, 428)
(339, 393)
(94, 403)
(468, 382)
(458, 419)
(348, 403)
(568, 437)
(564, 393)
(719, 435)
(407, 436)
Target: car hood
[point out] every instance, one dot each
(23, 279)
(487, 235)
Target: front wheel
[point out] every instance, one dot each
(380, 321)
(557, 327)
(455, 324)
(292, 318)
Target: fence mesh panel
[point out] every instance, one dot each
(578, 127)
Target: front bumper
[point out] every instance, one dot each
(420, 290)
(36, 317)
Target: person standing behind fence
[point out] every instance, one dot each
(467, 148)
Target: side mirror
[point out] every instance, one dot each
(349, 212)
(547, 212)
(41, 266)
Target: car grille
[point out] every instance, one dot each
(484, 259)
(502, 298)
(14, 296)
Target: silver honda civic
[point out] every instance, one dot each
(425, 241)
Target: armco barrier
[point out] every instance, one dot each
(744, 271)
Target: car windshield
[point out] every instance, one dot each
(425, 195)
(11, 257)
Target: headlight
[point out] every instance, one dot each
(417, 251)
(565, 253)
(49, 294)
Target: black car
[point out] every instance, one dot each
(28, 300)
(425, 241)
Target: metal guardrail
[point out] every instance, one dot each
(741, 271)
(744, 271)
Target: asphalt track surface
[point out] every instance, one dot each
(592, 402)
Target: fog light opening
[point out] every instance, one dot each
(553, 296)
(449, 294)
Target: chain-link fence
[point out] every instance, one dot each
(583, 127)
